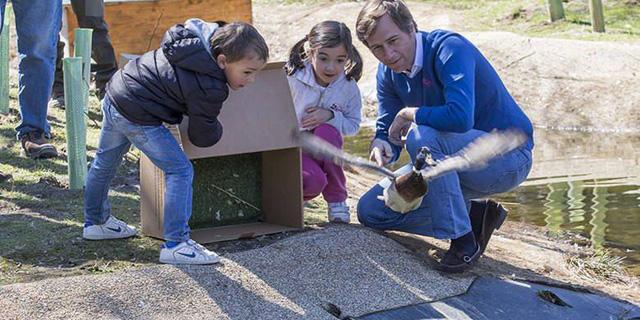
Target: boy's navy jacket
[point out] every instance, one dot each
(180, 78)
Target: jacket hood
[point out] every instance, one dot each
(187, 46)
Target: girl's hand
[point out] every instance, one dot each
(401, 124)
(315, 116)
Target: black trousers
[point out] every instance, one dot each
(90, 14)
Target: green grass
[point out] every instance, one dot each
(600, 265)
(227, 190)
(41, 219)
(530, 17)
(315, 211)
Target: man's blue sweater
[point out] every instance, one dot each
(457, 90)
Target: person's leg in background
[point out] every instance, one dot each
(57, 92)
(37, 26)
(89, 14)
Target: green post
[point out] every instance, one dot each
(4, 64)
(556, 12)
(75, 121)
(82, 49)
(597, 15)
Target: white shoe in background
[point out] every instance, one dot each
(338, 212)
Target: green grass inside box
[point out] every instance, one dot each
(240, 176)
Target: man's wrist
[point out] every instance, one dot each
(409, 113)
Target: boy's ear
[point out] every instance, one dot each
(222, 61)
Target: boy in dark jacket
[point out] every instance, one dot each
(188, 75)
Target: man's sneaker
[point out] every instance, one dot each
(112, 229)
(338, 212)
(56, 102)
(188, 252)
(35, 146)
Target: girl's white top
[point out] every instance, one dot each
(341, 96)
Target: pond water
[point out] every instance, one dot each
(587, 183)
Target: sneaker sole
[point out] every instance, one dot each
(45, 153)
(174, 262)
(94, 238)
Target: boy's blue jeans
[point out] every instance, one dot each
(157, 143)
(37, 26)
(444, 212)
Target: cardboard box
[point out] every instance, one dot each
(257, 119)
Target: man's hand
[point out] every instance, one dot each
(314, 117)
(401, 124)
(381, 152)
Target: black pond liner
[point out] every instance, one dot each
(496, 299)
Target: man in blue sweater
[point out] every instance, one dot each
(438, 90)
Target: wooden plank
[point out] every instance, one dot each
(556, 11)
(4, 63)
(597, 15)
(137, 27)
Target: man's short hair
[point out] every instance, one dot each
(238, 40)
(373, 10)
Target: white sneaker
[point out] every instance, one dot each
(188, 252)
(56, 102)
(339, 212)
(112, 229)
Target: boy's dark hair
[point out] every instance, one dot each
(373, 10)
(326, 34)
(238, 40)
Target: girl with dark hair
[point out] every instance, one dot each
(322, 70)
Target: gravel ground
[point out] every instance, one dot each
(356, 269)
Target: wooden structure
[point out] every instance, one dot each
(556, 11)
(137, 26)
(597, 15)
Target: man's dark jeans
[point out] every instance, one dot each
(90, 14)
